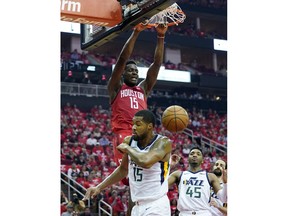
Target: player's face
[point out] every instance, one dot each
(139, 128)
(195, 157)
(131, 75)
(218, 167)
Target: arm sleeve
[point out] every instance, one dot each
(222, 193)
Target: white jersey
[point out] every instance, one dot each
(194, 191)
(215, 211)
(148, 184)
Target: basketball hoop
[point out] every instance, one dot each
(173, 15)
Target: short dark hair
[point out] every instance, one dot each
(148, 116)
(196, 147)
(130, 62)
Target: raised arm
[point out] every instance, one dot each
(148, 83)
(114, 83)
(173, 177)
(159, 152)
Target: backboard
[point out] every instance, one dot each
(93, 36)
(97, 12)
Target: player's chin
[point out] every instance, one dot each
(134, 81)
(217, 172)
(135, 137)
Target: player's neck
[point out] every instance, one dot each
(130, 84)
(145, 142)
(220, 179)
(194, 169)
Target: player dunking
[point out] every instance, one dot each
(126, 97)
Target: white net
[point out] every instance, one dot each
(173, 15)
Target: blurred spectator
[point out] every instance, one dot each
(103, 79)
(97, 133)
(91, 141)
(82, 138)
(75, 56)
(69, 211)
(63, 201)
(81, 178)
(77, 149)
(124, 201)
(83, 58)
(71, 155)
(195, 122)
(78, 204)
(185, 150)
(104, 141)
(65, 149)
(85, 170)
(86, 79)
(80, 160)
(73, 171)
(89, 182)
(115, 201)
(87, 212)
(69, 77)
(97, 150)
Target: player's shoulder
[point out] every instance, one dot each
(163, 140)
(163, 137)
(211, 175)
(127, 139)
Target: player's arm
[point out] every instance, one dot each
(148, 83)
(160, 149)
(218, 190)
(118, 174)
(174, 177)
(114, 82)
(222, 209)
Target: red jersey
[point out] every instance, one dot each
(128, 101)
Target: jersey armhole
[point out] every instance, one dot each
(178, 180)
(208, 179)
(121, 85)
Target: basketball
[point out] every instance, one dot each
(175, 118)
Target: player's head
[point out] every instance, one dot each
(195, 157)
(218, 167)
(144, 122)
(130, 74)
